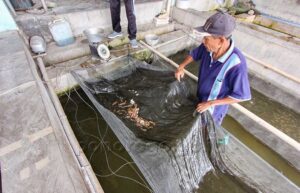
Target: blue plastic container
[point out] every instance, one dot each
(61, 32)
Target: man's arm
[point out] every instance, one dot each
(179, 72)
(201, 107)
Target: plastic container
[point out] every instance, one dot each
(37, 44)
(61, 32)
(152, 39)
(183, 4)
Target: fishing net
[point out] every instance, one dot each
(153, 116)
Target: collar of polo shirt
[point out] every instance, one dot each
(223, 58)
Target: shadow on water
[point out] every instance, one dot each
(113, 166)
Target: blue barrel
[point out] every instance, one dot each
(21, 4)
(61, 32)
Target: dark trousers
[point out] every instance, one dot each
(115, 10)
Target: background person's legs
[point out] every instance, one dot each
(115, 11)
(130, 12)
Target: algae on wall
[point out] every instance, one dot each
(235, 6)
(209, 5)
(143, 55)
(241, 6)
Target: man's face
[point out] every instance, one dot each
(211, 43)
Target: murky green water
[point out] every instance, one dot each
(261, 150)
(113, 166)
(110, 161)
(283, 118)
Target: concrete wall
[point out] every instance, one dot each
(6, 20)
(208, 5)
(287, 9)
(81, 20)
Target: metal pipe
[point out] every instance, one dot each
(257, 119)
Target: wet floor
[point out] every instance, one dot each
(283, 118)
(110, 161)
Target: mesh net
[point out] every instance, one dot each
(153, 116)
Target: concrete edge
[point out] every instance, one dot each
(68, 135)
(274, 92)
(286, 151)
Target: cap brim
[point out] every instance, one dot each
(200, 31)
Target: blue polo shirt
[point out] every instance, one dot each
(226, 77)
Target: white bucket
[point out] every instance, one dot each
(94, 35)
(183, 4)
(37, 44)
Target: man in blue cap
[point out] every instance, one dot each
(223, 76)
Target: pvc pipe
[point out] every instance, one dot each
(44, 5)
(168, 7)
(89, 173)
(257, 119)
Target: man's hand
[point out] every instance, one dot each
(179, 73)
(201, 107)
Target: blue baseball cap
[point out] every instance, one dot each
(219, 24)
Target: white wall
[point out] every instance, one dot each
(287, 9)
(207, 5)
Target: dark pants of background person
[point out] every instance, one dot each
(115, 10)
